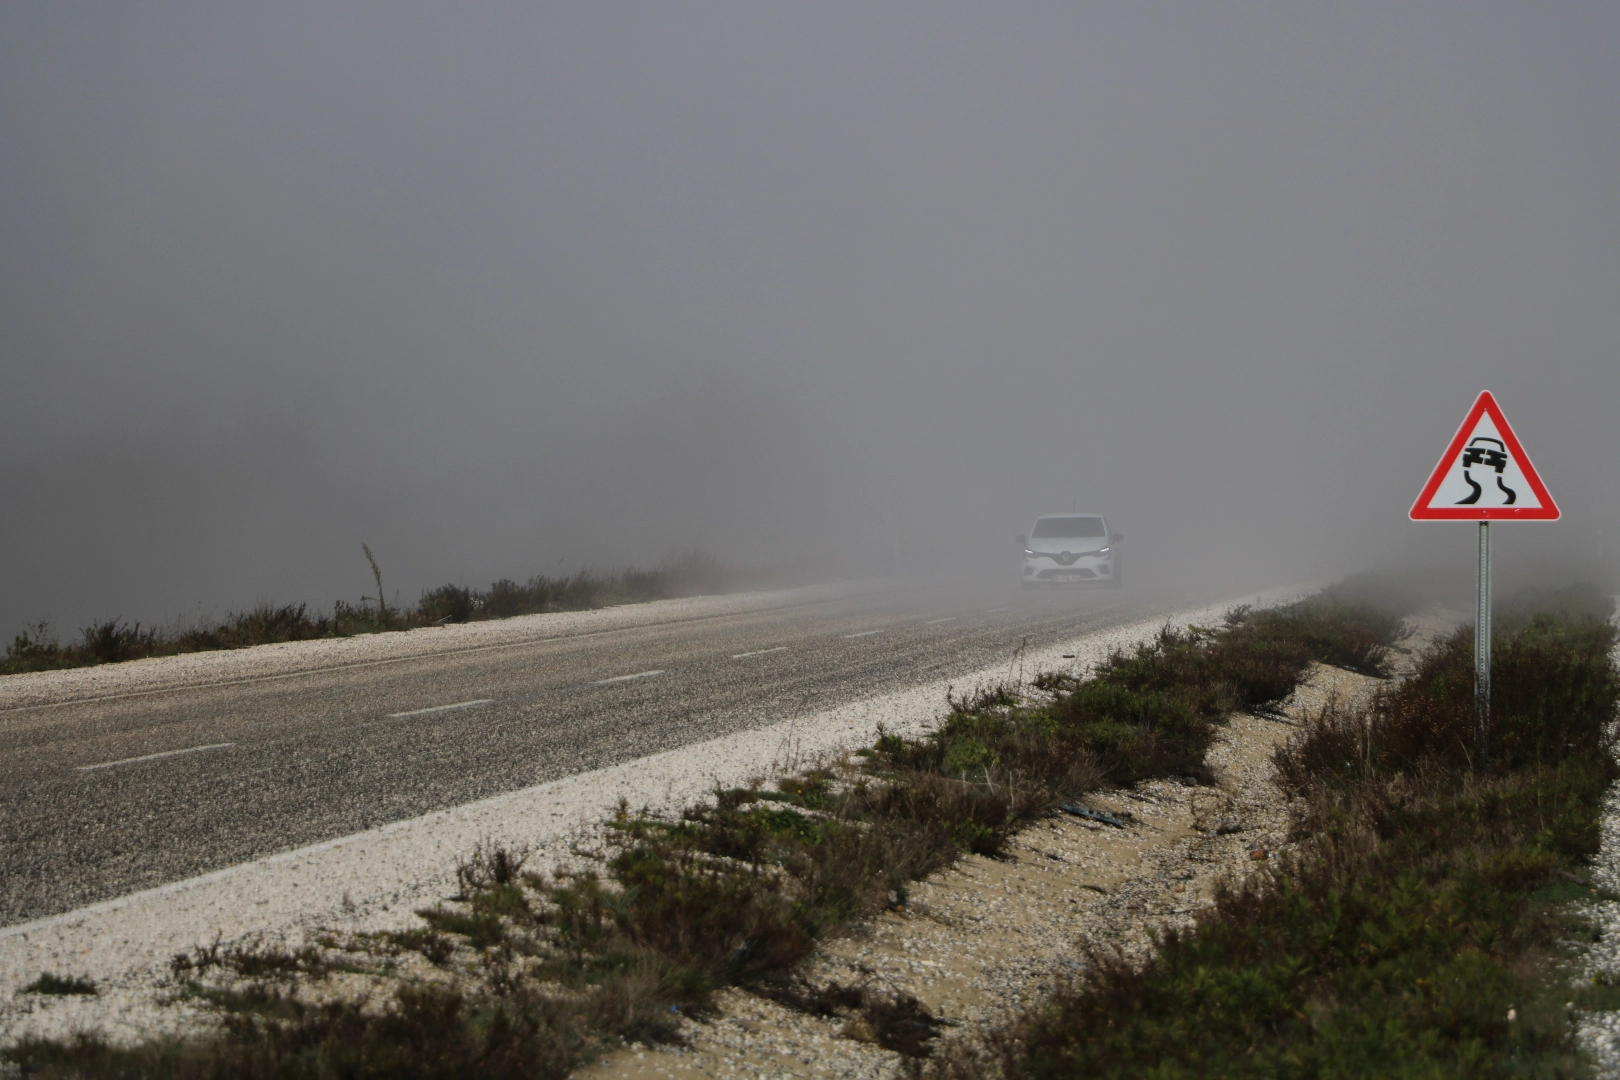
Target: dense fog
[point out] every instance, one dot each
(506, 289)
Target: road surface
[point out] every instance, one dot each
(104, 795)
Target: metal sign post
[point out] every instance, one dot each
(1482, 643)
(1484, 476)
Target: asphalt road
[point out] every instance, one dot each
(102, 797)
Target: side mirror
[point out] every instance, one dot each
(1023, 541)
(1117, 537)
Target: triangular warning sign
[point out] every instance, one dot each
(1484, 475)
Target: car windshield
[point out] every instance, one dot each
(1053, 528)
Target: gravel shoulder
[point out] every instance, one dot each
(375, 880)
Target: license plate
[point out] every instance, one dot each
(1068, 577)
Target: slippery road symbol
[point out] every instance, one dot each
(1484, 475)
(1493, 456)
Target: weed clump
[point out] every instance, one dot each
(60, 985)
(250, 959)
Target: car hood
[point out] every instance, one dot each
(1074, 545)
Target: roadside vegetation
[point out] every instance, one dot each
(110, 641)
(1425, 926)
(536, 972)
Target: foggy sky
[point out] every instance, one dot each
(504, 289)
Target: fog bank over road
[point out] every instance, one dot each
(543, 286)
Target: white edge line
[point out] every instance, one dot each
(154, 757)
(442, 708)
(863, 633)
(627, 678)
(758, 652)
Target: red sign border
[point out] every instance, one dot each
(1547, 511)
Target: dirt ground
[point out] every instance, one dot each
(983, 940)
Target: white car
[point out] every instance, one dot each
(1071, 548)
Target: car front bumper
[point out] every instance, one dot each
(1086, 568)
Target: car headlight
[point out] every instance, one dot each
(1028, 554)
(1102, 551)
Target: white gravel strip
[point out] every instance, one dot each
(1599, 1032)
(376, 879)
(291, 658)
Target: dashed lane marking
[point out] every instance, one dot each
(441, 708)
(863, 633)
(936, 622)
(758, 652)
(627, 678)
(154, 757)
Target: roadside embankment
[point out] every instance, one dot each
(371, 883)
(978, 943)
(1427, 921)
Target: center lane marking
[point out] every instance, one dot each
(758, 652)
(154, 757)
(863, 633)
(627, 678)
(441, 708)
